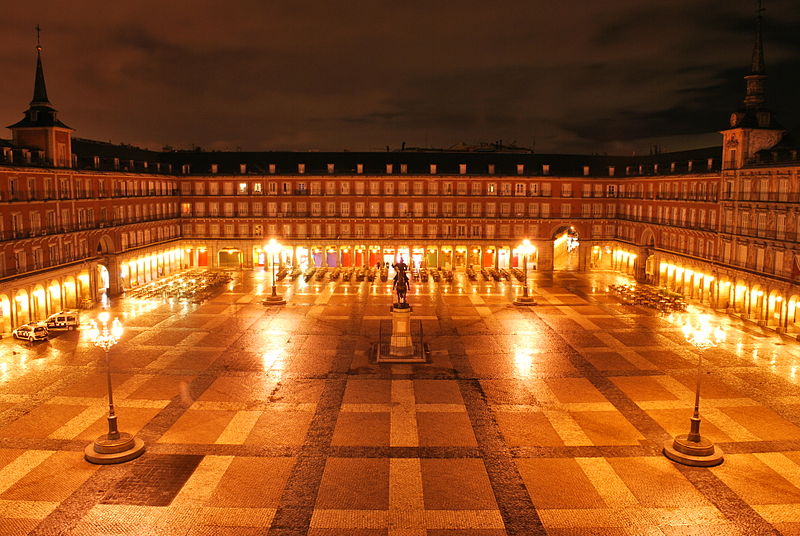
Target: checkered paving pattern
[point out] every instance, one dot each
(526, 421)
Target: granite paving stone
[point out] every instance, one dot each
(546, 420)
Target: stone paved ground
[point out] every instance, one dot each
(545, 420)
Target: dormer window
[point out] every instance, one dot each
(359, 168)
(462, 169)
(331, 169)
(389, 169)
(520, 169)
(242, 169)
(301, 168)
(214, 168)
(545, 169)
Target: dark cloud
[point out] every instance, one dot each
(569, 77)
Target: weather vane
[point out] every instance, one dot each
(38, 40)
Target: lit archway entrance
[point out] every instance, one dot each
(102, 283)
(21, 307)
(230, 259)
(565, 249)
(5, 315)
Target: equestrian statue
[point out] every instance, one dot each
(401, 284)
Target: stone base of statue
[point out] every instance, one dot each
(401, 347)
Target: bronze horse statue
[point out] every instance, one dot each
(401, 284)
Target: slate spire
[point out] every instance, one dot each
(755, 95)
(39, 87)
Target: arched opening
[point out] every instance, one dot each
(38, 303)
(432, 259)
(446, 258)
(460, 260)
(755, 297)
(54, 292)
(774, 309)
(5, 315)
(69, 293)
(102, 283)
(566, 246)
(21, 308)
(740, 297)
(792, 316)
(230, 258)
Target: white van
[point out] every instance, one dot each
(64, 320)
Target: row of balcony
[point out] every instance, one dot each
(769, 197)
(93, 196)
(20, 234)
(409, 215)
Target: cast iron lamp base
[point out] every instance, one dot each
(524, 300)
(274, 300)
(105, 451)
(700, 453)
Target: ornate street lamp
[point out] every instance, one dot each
(526, 248)
(273, 248)
(115, 446)
(692, 448)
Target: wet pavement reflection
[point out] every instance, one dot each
(527, 420)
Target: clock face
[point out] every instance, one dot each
(734, 119)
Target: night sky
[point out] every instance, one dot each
(610, 76)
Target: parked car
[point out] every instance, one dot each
(35, 331)
(67, 320)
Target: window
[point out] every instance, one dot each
(242, 188)
(462, 169)
(331, 168)
(519, 188)
(520, 169)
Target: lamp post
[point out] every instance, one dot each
(115, 446)
(526, 248)
(273, 248)
(692, 448)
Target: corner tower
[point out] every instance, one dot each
(40, 128)
(753, 127)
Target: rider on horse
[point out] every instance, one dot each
(401, 283)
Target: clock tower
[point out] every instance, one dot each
(753, 127)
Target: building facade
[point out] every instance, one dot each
(82, 220)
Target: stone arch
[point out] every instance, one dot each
(648, 238)
(105, 246)
(565, 241)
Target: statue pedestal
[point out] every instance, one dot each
(401, 344)
(401, 347)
